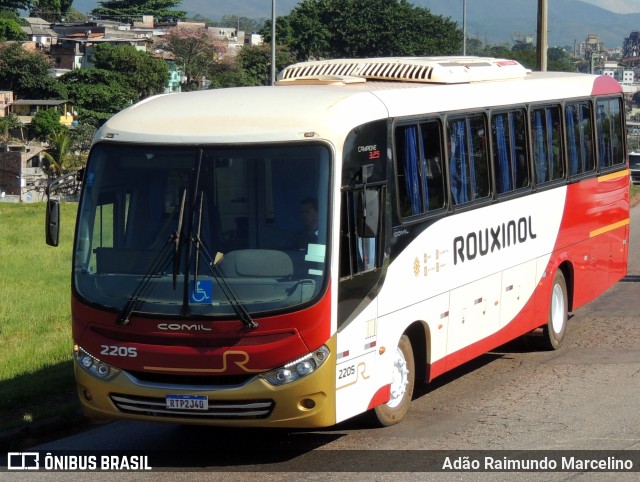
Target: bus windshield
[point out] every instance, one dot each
(192, 230)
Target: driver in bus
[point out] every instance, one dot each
(309, 217)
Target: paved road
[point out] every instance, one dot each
(582, 397)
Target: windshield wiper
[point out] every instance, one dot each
(213, 263)
(159, 261)
(178, 235)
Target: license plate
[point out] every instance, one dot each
(187, 402)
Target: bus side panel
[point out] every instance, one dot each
(358, 375)
(474, 312)
(594, 234)
(491, 261)
(517, 283)
(523, 322)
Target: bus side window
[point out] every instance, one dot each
(468, 158)
(579, 138)
(509, 151)
(419, 166)
(609, 125)
(547, 147)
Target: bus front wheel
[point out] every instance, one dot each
(556, 327)
(402, 383)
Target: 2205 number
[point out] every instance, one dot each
(346, 372)
(123, 351)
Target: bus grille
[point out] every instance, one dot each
(218, 410)
(204, 381)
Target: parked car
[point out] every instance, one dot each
(634, 167)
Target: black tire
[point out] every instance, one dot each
(554, 331)
(402, 384)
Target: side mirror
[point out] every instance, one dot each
(368, 213)
(52, 228)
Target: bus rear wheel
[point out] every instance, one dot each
(556, 327)
(402, 383)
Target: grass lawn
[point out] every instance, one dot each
(36, 375)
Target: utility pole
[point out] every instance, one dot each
(541, 50)
(464, 28)
(273, 42)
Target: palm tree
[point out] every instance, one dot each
(58, 156)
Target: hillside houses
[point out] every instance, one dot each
(71, 45)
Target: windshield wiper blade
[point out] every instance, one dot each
(212, 263)
(161, 259)
(195, 269)
(177, 236)
(237, 306)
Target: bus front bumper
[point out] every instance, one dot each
(306, 403)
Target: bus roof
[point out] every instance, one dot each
(326, 108)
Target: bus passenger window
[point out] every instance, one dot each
(579, 138)
(468, 159)
(432, 165)
(547, 147)
(509, 151)
(419, 167)
(609, 124)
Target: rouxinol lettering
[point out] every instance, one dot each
(481, 243)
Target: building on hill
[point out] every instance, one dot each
(22, 178)
(25, 109)
(40, 32)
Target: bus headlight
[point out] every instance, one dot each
(93, 365)
(297, 369)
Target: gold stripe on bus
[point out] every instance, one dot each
(611, 227)
(236, 357)
(614, 175)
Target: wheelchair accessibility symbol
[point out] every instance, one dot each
(201, 291)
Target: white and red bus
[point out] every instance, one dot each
(295, 255)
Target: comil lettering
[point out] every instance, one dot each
(489, 240)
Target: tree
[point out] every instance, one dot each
(134, 9)
(58, 156)
(525, 53)
(138, 70)
(196, 50)
(45, 123)
(559, 60)
(81, 137)
(15, 5)
(10, 30)
(8, 124)
(10, 26)
(50, 10)
(26, 74)
(368, 28)
(255, 61)
(97, 94)
(244, 24)
(229, 74)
